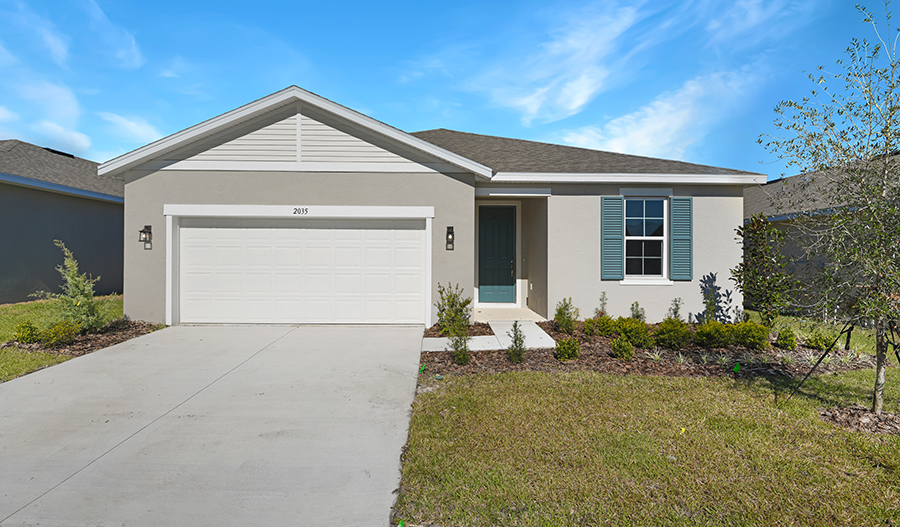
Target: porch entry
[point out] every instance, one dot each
(497, 254)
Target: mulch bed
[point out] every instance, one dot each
(478, 329)
(693, 362)
(115, 332)
(862, 419)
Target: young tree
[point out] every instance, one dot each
(845, 137)
(761, 276)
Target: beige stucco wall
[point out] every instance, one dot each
(32, 219)
(573, 266)
(452, 197)
(534, 252)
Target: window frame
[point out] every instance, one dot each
(639, 279)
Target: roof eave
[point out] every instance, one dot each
(125, 162)
(648, 179)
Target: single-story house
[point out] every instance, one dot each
(48, 195)
(295, 209)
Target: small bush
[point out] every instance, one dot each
(459, 342)
(637, 312)
(59, 333)
(516, 350)
(675, 309)
(750, 335)
(567, 349)
(635, 331)
(452, 308)
(600, 311)
(786, 339)
(27, 333)
(566, 316)
(818, 341)
(622, 348)
(713, 334)
(602, 326)
(673, 333)
(76, 303)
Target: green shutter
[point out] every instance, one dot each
(681, 265)
(612, 238)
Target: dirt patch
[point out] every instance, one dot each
(478, 329)
(862, 420)
(113, 333)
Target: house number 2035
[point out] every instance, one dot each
(302, 211)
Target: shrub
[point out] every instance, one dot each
(713, 334)
(516, 350)
(459, 342)
(622, 348)
(637, 312)
(786, 339)
(76, 303)
(566, 316)
(599, 312)
(452, 308)
(817, 340)
(567, 349)
(635, 331)
(673, 333)
(750, 335)
(59, 333)
(27, 333)
(602, 325)
(675, 309)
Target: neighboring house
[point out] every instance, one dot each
(47, 195)
(295, 209)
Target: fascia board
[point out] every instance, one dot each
(650, 179)
(56, 187)
(284, 97)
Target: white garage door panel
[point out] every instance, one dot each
(301, 271)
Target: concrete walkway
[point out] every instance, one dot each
(214, 426)
(535, 337)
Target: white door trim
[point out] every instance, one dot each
(174, 212)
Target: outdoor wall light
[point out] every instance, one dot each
(146, 236)
(450, 238)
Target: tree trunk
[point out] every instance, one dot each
(880, 360)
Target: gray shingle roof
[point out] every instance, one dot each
(517, 155)
(783, 196)
(19, 158)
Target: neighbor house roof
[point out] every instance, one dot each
(520, 158)
(786, 197)
(29, 165)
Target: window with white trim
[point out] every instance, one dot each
(645, 227)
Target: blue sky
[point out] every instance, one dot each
(695, 81)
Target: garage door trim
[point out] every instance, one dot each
(174, 213)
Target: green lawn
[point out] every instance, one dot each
(597, 449)
(16, 362)
(41, 312)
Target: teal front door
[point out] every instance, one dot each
(497, 254)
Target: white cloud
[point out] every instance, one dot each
(63, 138)
(59, 49)
(134, 127)
(6, 115)
(119, 41)
(670, 124)
(567, 72)
(6, 58)
(58, 102)
(747, 22)
(176, 69)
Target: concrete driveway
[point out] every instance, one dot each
(249, 426)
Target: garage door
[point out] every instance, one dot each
(301, 271)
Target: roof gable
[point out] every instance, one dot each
(291, 130)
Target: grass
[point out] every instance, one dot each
(862, 339)
(597, 449)
(42, 312)
(16, 362)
